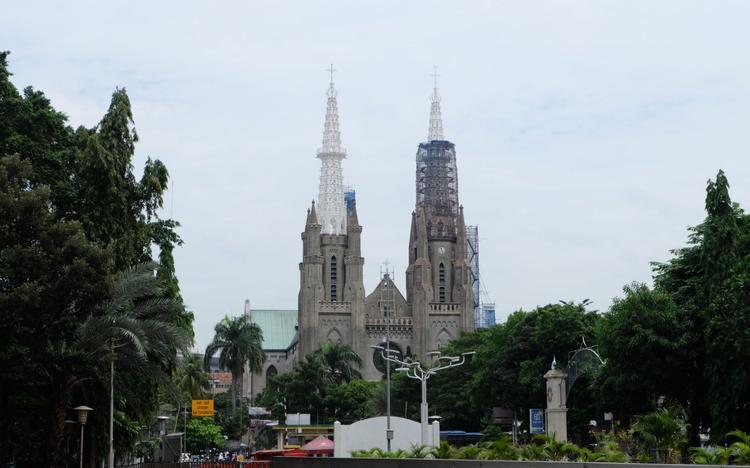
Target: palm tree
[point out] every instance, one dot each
(339, 361)
(133, 330)
(239, 342)
(190, 377)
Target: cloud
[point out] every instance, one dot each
(585, 130)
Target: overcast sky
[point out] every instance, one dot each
(585, 131)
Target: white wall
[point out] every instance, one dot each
(370, 433)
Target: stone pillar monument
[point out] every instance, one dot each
(557, 412)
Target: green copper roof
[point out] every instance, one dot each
(277, 325)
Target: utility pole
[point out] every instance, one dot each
(387, 306)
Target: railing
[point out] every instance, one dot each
(334, 307)
(445, 307)
(205, 464)
(397, 322)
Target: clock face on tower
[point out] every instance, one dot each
(441, 250)
(549, 394)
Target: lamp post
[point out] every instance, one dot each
(414, 370)
(83, 415)
(184, 435)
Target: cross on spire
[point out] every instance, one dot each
(436, 121)
(435, 75)
(331, 70)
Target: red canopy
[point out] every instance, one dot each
(319, 446)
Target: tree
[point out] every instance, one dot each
(709, 281)
(450, 392)
(642, 339)
(51, 278)
(339, 361)
(80, 201)
(203, 433)
(239, 342)
(661, 433)
(514, 356)
(351, 401)
(131, 331)
(190, 377)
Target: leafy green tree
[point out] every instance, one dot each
(708, 280)
(51, 278)
(513, 358)
(203, 433)
(451, 392)
(642, 339)
(239, 342)
(88, 185)
(225, 416)
(352, 401)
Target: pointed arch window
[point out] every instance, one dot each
(441, 294)
(334, 278)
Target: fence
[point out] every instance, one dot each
(248, 464)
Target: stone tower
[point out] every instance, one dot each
(438, 279)
(331, 296)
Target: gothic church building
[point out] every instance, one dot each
(332, 303)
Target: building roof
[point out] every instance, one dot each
(278, 327)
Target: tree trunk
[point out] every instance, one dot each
(59, 398)
(234, 392)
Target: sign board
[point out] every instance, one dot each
(536, 421)
(203, 407)
(298, 419)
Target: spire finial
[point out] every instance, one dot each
(436, 120)
(331, 70)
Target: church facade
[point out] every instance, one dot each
(332, 304)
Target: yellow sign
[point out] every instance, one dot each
(203, 407)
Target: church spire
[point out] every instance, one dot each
(331, 205)
(436, 120)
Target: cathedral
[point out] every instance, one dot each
(332, 303)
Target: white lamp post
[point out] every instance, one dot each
(414, 370)
(83, 416)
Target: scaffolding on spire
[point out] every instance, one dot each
(331, 206)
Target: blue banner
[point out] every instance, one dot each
(536, 421)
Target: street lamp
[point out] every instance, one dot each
(83, 416)
(414, 370)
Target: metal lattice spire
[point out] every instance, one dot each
(331, 205)
(331, 133)
(436, 120)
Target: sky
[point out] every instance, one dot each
(585, 131)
